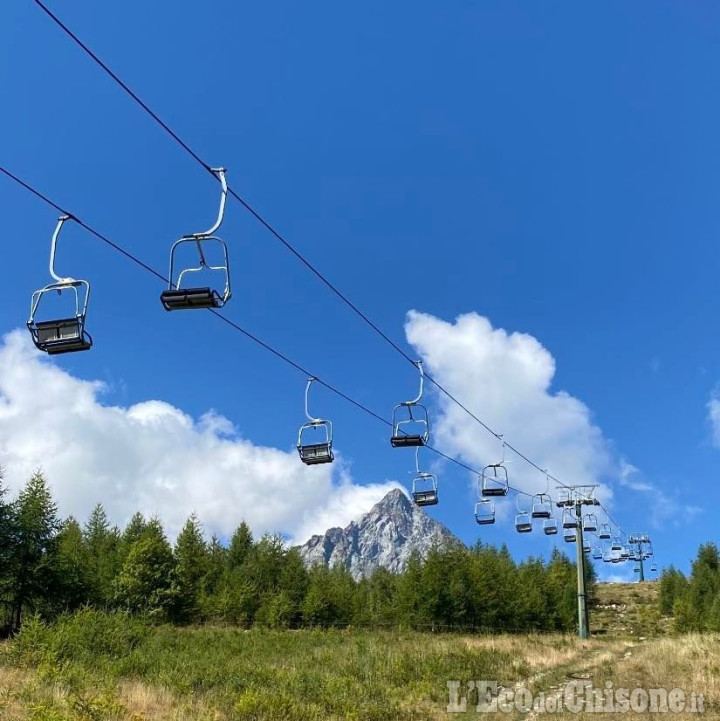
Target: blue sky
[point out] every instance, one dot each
(551, 168)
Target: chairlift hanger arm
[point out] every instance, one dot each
(53, 250)
(417, 400)
(220, 173)
(310, 417)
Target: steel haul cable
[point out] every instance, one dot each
(276, 234)
(137, 261)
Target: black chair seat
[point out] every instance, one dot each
(494, 491)
(60, 336)
(425, 498)
(484, 521)
(540, 514)
(316, 453)
(187, 298)
(67, 346)
(404, 441)
(550, 531)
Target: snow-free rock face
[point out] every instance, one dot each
(385, 537)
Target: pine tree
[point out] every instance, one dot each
(33, 566)
(132, 533)
(562, 590)
(216, 564)
(7, 543)
(147, 582)
(102, 544)
(379, 605)
(191, 566)
(293, 582)
(241, 544)
(317, 605)
(408, 592)
(75, 587)
(673, 585)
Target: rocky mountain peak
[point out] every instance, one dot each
(384, 537)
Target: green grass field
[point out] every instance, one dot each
(92, 666)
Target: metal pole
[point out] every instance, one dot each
(640, 557)
(582, 599)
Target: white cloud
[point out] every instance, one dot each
(155, 458)
(506, 379)
(671, 511)
(713, 409)
(617, 577)
(631, 477)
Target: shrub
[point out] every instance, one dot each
(87, 635)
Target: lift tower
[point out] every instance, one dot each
(576, 497)
(640, 554)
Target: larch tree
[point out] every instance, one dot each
(33, 566)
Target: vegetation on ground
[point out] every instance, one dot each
(49, 566)
(629, 609)
(124, 626)
(694, 601)
(93, 665)
(97, 665)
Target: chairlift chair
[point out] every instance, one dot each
(564, 497)
(653, 567)
(616, 544)
(590, 524)
(597, 553)
(424, 489)
(415, 416)
(523, 519)
(68, 334)
(178, 295)
(542, 506)
(586, 547)
(624, 554)
(570, 536)
(604, 533)
(485, 512)
(495, 480)
(313, 454)
(569, 520)
(424, 485)
(550, 526)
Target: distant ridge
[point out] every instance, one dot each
(384, 537)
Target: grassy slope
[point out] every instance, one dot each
(217, 674)
(628, 609)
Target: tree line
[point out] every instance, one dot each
(693, 601)
(49, 566)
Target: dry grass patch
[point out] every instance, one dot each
(541, 652)
(159, 704)
(691, 663)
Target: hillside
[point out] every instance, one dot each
(628, 609)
